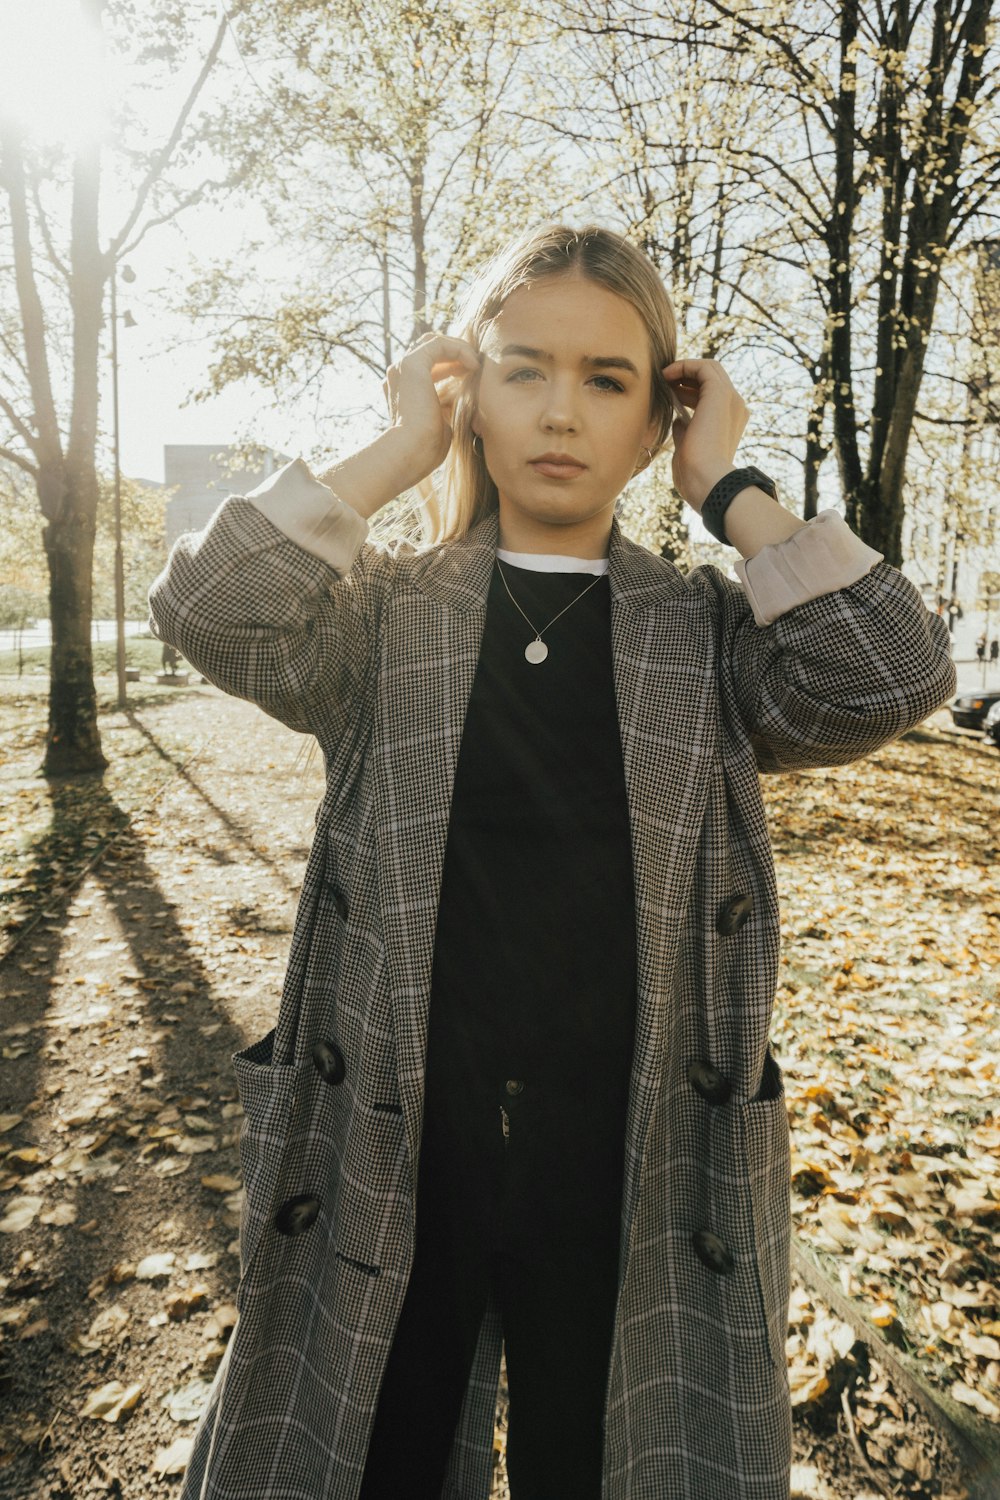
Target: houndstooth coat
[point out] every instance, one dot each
(282, 600)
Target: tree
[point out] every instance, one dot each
(659, 128)
(61, 271)
(389, 165)
(899, 165)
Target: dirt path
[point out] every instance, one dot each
(120, 1118)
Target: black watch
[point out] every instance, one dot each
(728, 487)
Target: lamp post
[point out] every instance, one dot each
(127, 275)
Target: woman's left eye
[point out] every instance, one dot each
(613, 384)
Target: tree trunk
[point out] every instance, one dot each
(73, 744)
(839, 238)
(815, 453)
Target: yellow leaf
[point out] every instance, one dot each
(109, 1401)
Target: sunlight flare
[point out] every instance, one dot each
(53, 83)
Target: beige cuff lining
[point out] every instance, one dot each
(822, 556)
(311, 515)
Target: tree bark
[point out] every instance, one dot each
(73, 744)
(816, 449)
(839, 241)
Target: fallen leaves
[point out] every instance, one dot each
(885, 1025)
(20, 1213)
(173, 1459)
(111, 1401)
(153, 1267)
(185, 1403)
(182, 1303)
(834, 1382)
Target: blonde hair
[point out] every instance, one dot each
(466, 494)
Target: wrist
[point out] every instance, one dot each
(376, 474)
(755, 520)
(699, 486)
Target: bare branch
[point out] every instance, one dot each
(22, 430)
(188, 201)
(32, 314)
(43, 225)
(163, 156)
(19, 460)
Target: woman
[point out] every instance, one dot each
(519, 1091)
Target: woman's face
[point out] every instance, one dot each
(555, 401)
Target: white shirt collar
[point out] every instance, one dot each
(546, 562)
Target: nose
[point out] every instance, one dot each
(560, 413)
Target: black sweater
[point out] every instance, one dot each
(533, 991)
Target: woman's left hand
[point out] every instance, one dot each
(704, 445)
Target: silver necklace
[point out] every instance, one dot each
(536, 651)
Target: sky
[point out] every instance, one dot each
(52, 81)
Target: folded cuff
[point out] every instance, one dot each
(311, 515)
(822, 556)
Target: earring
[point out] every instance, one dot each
(477, 438)
(649, 460)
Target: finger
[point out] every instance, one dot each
(687, 395)
(452, 369)
(447, 349)
(697, 370)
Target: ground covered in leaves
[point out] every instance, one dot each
(138, 970)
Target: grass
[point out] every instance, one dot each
(140, 651)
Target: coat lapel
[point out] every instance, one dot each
(429, 653)
(663, 673)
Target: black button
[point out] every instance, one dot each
(514, 1086)
(734, 914)
(712, 1252)
(329, 1062)
(708, 1081)
(296, 1214)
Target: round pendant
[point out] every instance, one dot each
(536, 651)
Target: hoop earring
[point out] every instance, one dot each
(477, 438)
(649, 460)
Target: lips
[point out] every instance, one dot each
(557, 468)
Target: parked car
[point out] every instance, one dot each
(991, 726)
(969, 710)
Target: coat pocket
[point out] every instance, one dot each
(267, 1095)
(768, 1145)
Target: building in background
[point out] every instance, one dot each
(204, 474)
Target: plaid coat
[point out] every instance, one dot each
(377, 661)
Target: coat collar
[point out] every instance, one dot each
(458, 573)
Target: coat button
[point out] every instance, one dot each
(708, 1081)
(734, 914)
(296, 1214)
(329, 1061)
(514, 1086)
(712, 1252)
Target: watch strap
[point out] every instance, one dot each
(725, 491)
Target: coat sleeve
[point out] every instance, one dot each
(826, 651)
(274, 601)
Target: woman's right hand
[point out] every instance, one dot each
(421, 391)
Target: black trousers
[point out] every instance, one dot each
(556, 1292)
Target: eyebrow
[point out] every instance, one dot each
(595, 361)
